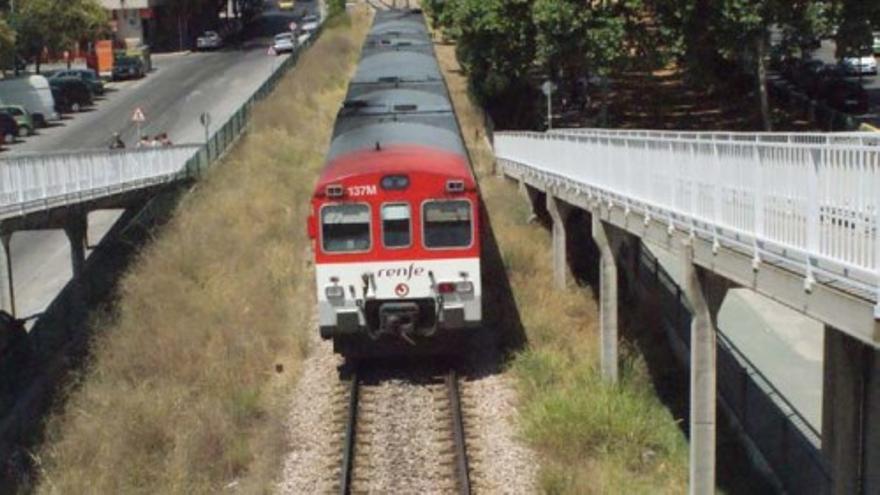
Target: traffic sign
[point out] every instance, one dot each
(138, 115)
(292, 27)
(548, 87)
(205, 119)
(271, 51)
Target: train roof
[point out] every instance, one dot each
(397, 96)
(410, 160)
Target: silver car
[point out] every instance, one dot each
(284, 42)
(209, 41)
(866, 64)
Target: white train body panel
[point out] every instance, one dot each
(398, 281)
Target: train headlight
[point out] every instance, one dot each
(334, 292)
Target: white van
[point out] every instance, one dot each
(33, 93)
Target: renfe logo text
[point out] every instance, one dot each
(408, 272)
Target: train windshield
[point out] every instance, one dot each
(395, 225)
(345, 228)
(447, 224)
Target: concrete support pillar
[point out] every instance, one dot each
(531, 196)
(7, 290)
(607, 300)
(559, 213)
(705, 301)
(851, 414)
(76, 229)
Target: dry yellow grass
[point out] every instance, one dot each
(591, 437)
(183, 394)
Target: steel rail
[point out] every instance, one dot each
(348, 451)
(461, 460)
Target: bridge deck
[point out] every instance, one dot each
(793, 216)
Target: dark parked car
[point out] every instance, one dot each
(88, 76)
(128, 68)
(846, 96)
(803, 73)
(71, 94)
(8, 128)
(817, 84)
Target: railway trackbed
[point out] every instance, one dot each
(403, 436)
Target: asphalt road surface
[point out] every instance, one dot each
(172, 97)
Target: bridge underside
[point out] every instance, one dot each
(72, 218)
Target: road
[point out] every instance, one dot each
(172, 97)
(871, 83)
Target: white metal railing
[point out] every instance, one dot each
(33, 182)
(864, 138)
(813, 205)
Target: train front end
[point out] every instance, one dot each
(397, 251)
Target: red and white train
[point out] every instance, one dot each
(395, 213)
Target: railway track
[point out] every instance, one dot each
(362, 444)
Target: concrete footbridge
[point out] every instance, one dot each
(793, 217)
(41, 191)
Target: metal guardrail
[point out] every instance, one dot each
(39, 181)
(812, 207)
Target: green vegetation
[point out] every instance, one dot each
(508, 47)
(591, 437)
(55, 26)
(7, 41)
(185, 392)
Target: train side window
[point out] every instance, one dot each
(396, 232)
(345, 228)
(447, 224)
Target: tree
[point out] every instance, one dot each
(7, 43)
(575, 41)
(745, 34)
(854, 36)
(495, 46)
(55, 26)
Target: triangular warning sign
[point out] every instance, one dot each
(138, 115)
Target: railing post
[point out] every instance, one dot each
(758, 191)
(813, 213)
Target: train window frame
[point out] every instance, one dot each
(321, 228)
(382, 224)
(423, 223)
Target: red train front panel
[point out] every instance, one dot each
(396, 242)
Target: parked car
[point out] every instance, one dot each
(88, 76)
(8, 128)
(876, 47)
(801, 71)
(284, 42)
(71, 94)
(310, 23)
(22, 118)
(828, 74)
(846, 96)
(211, 40)
(864, 64)
(33, 93)
(128, 68)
